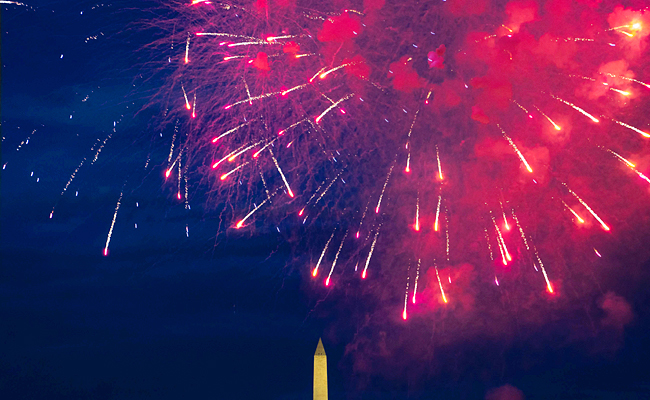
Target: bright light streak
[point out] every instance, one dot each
(372, 249)
(439, 166)
(284, 179)
(224, 176)
(187, 102)
(243, 220)
(417, 215)
(442, 291)
(417, 277)
(580, 220)
(637, 130)
(328, 109)
(110, 231)
(580, 110)
(514, 147)
(381, 196)
(336, 257)
(187, 48)
(592, 212)
(436, 224)
(557, 128)
(324, 74)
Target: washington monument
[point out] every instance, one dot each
(320, 372)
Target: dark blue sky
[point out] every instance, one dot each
(167, 316)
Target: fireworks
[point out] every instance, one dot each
(321, 103)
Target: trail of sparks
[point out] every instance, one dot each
(439, 166)
(284, 179)
(436, 224)
(362, 217)
(415, 283)
(627, 79)
(328, 109)
(447, 232)
(630, 165)
(592, 212)
(578, 109)
(487, 239)
(442, 291)
(381, 196)
(408, 142)
(226, 175)
(580, 220)
(324, 74)
(505, 255)
(556, 126)
(110, 231)
(406, 292)
(514, 147)
(637, 130)
(243, 220)
(336, 257)
(187, 48)
(372, 249)
(250, 99)
(505, 220)
(187, 102)
(314, 272)
(416, 226)
(230, 131)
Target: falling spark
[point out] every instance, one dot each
(362, 217)
(226, 175)
(580, 110)
(415, 283)
(521, 230)
(505, 220)
(592, 212)
(406, 292)
(243, 220)
(496, 280)
(381, 196)
(110, 231)
(324, 74)
(487, 238)
(336, 257)
(557, 128)
(328, 109)
(187, 102)
(436, 225)
(187, 49)
(242, 151)
(630, 165)
(251, 99)
(315, 270)
(284, 179)
(230, 131)
(637, 130)
(372, 249)
(514, 146)
(523, 108)
(597, 253)
(417, 215)
(447, 232)
(580, 220)
(442, 291)
(505, 255)
(627, 79)
(439, 166)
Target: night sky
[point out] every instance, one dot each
(168, 316)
